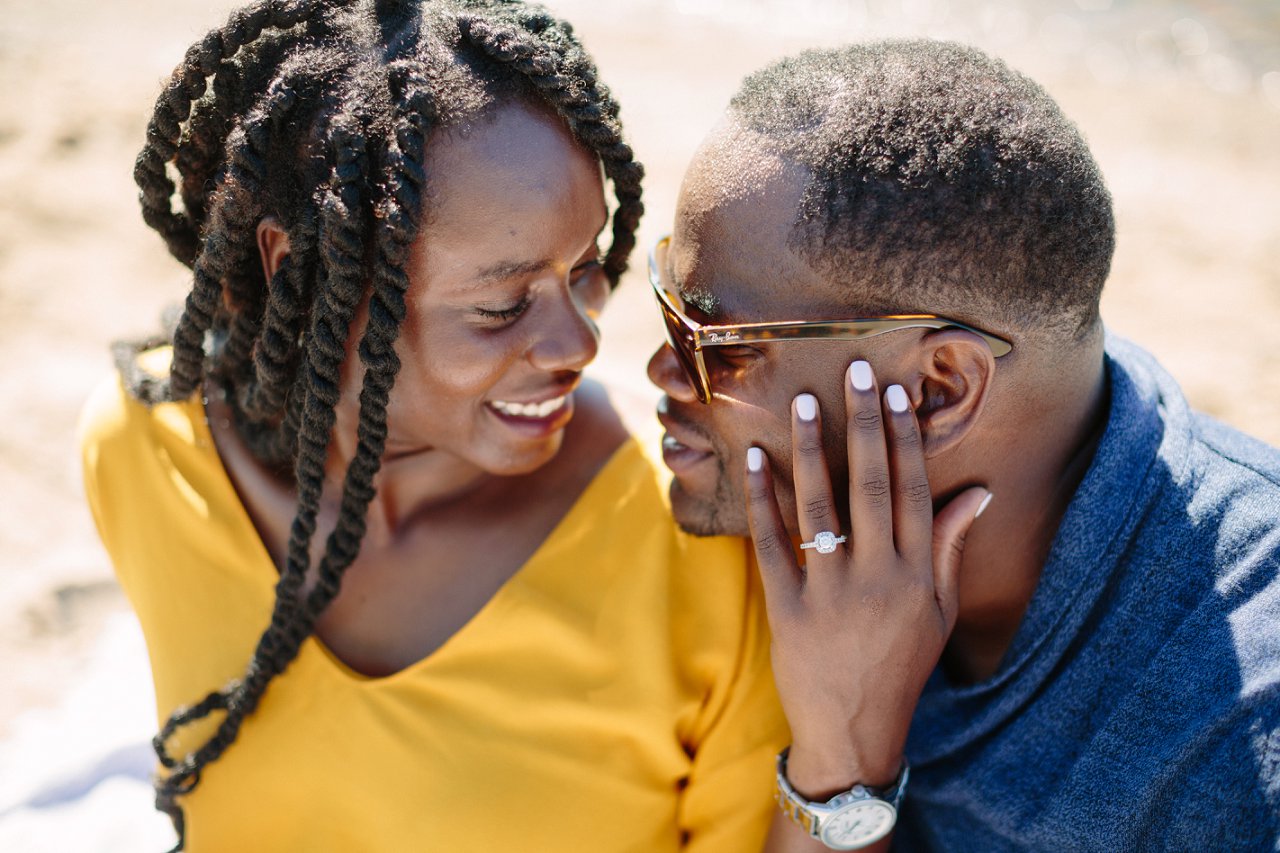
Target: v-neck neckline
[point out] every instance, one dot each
(265, 574)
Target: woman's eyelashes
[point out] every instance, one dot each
(587, 271)
(504, 314)
(584, 274)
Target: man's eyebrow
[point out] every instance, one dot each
(704, 301)
(699, 298)
(504, 270)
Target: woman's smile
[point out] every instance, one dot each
(534, 419)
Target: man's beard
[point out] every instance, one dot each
(713, 516)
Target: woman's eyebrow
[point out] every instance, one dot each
(510, 269)
(503, 270)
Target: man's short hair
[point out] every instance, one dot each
(941, 181)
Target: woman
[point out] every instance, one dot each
(370, 436)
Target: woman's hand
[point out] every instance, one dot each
(856, 632)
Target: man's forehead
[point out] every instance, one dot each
(733, 163)
(731, 253)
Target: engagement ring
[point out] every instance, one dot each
(825, 542)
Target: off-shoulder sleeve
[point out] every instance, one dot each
(102, 429)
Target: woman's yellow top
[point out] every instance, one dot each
(614, 695)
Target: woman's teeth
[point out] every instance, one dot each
(529, 410)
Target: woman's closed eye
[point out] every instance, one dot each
(585, 276)
(500, 313)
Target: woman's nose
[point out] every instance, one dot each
(570, 339)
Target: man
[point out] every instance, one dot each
(1094, 664)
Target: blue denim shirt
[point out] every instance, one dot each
(1138, 707)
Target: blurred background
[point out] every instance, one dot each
(1179, 99)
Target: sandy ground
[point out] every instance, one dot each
(1194, 171)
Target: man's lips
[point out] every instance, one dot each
(683, 448)
(682, 434)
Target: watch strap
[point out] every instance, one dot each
(808, 814)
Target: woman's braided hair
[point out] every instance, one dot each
(316, 113)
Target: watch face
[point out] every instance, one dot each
(858, 824)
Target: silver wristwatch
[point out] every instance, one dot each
(851, 820)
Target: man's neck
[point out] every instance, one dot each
(1034, 477)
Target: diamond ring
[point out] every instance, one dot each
(825, 542)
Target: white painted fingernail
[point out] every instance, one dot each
(982, 507)
(897, 399)
(755, 459)
(807, 407)
(860, 376)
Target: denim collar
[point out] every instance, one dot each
(1148, 421)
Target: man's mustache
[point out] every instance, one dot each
(669, 415)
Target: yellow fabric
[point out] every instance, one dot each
(614, 695)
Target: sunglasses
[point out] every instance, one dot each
(689, 338)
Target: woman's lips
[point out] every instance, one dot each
(536, 418)
(530, 410)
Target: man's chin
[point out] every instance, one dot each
(699, 516)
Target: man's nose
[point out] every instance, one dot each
(666, 373)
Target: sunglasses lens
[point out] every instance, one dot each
(682, 345)
(679, 335)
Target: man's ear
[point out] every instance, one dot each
(273, 246)
(950, 387)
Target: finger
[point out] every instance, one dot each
(950, 527)
(814, 502)
(912, 499)
(870, 503)
(779, 571)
